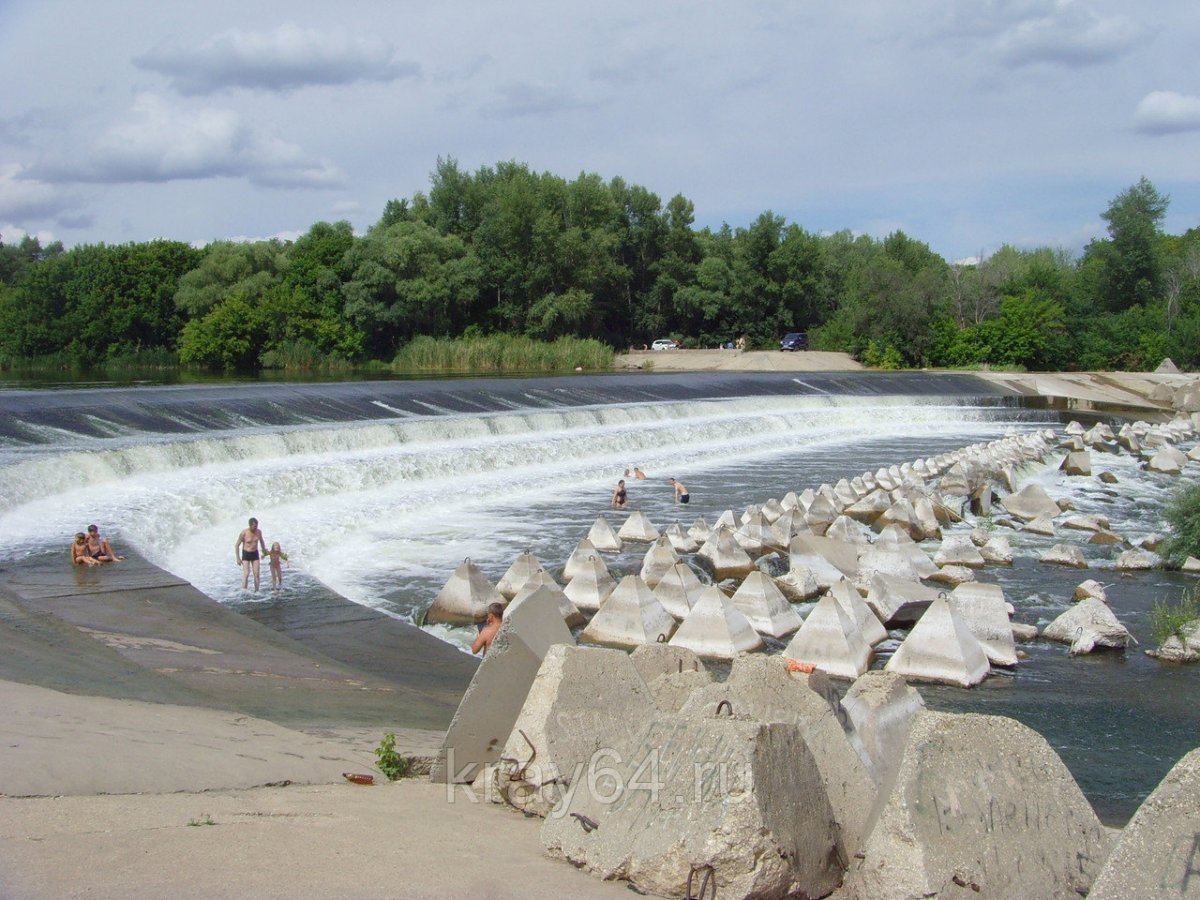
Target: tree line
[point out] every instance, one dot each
(505, 250)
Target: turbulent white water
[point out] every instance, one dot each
(362, 506)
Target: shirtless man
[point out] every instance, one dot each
(99, 548)
(620, 496)
(495, 618)
(246, 551)
(681, 492)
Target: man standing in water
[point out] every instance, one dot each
(681, 492)
(246, 551)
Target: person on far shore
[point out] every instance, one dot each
(79, 552)
(620, 496)
(277, 558)
(99, 548)
(681, 492)
(246, 551)
(491, 625)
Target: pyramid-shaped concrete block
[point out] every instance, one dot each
(831, 641)
(679, 590)
(485, 716)
(724, 556)
(591, 585)
(984, 610)
(638, 528)
(899, 602)
(715, 629)
(464, 598)
(540, 581)
(798, 584)
(940, 648)
(518, 573)
(629, 616)
(852, 602)
(765, 607)
(603, 537)
(680, 540)
(579, 559)
(658, 561)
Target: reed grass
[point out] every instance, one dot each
(501, 353)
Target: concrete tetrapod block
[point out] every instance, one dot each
(518, 573)
(899, 602)
(832, 641)
(629, 616)
(681, 541)
(1064, 555)
(699, 529)
(658, 561)
(638, 528)
(1077, 462)
(765, 607)
(940, 648)
(581, 697)
(1087, 625)
(678, 590)
(820, 513)
(603, 537)
(652, 660)
(742, 797)
(541, 581)
(852, 602)
(464, 598)
(1029, 503)
(591, 585)
(1158, 852)
(846, 529)
(579, 559)
(761, 688)
(982, 806)
(672, 690)
(715, 628)
(798, 584)
(485, 715)
(724, 555)
(958, 551)
(984, 611)
(830, 560)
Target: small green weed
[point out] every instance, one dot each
(1167, 618)
(391, 763)
(206, 819)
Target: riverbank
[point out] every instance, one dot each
(153, 742)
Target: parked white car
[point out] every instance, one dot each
(664, 344)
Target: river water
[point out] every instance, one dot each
(378, 490)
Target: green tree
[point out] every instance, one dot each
(226, 267)
(1129, 269)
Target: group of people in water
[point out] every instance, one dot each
(92, 549)
(620, 494)
(248, 550)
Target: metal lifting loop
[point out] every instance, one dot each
(706, 881)
(727, 705)
(661, 639)
(588, 825)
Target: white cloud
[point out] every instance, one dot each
(287, 58)
(526, 99)
(161, 142)
(1165, 112)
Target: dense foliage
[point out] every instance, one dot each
(506, 251)
(1183, 513)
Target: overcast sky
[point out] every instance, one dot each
(966, 123)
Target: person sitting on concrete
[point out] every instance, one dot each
(99, 548)
(79, 552)
(491, 625)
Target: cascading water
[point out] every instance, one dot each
(380, 491)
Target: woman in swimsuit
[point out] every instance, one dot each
(619, 496)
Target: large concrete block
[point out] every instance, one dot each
(982, 806)
(852, 602)
(715, 628)
(638, 528)
(591, 584)
(518, 573)
(541, 581)
(658, 561)
(881, 707)
(899, 602)
(579, 558)
(765, 607)
(831, 640)
(629, 616)
(464, 598)
(741, 797)
(984, 611)
(940, 648)
(724, 556)
(581, 698)
(678, 590)
(1158, 852)
(1088, 625)
(1029, 503)
(602, 536)
(485, 715)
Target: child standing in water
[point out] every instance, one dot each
(277, 558)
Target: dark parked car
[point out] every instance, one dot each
(794, 340)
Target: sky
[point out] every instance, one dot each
(968, 124)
